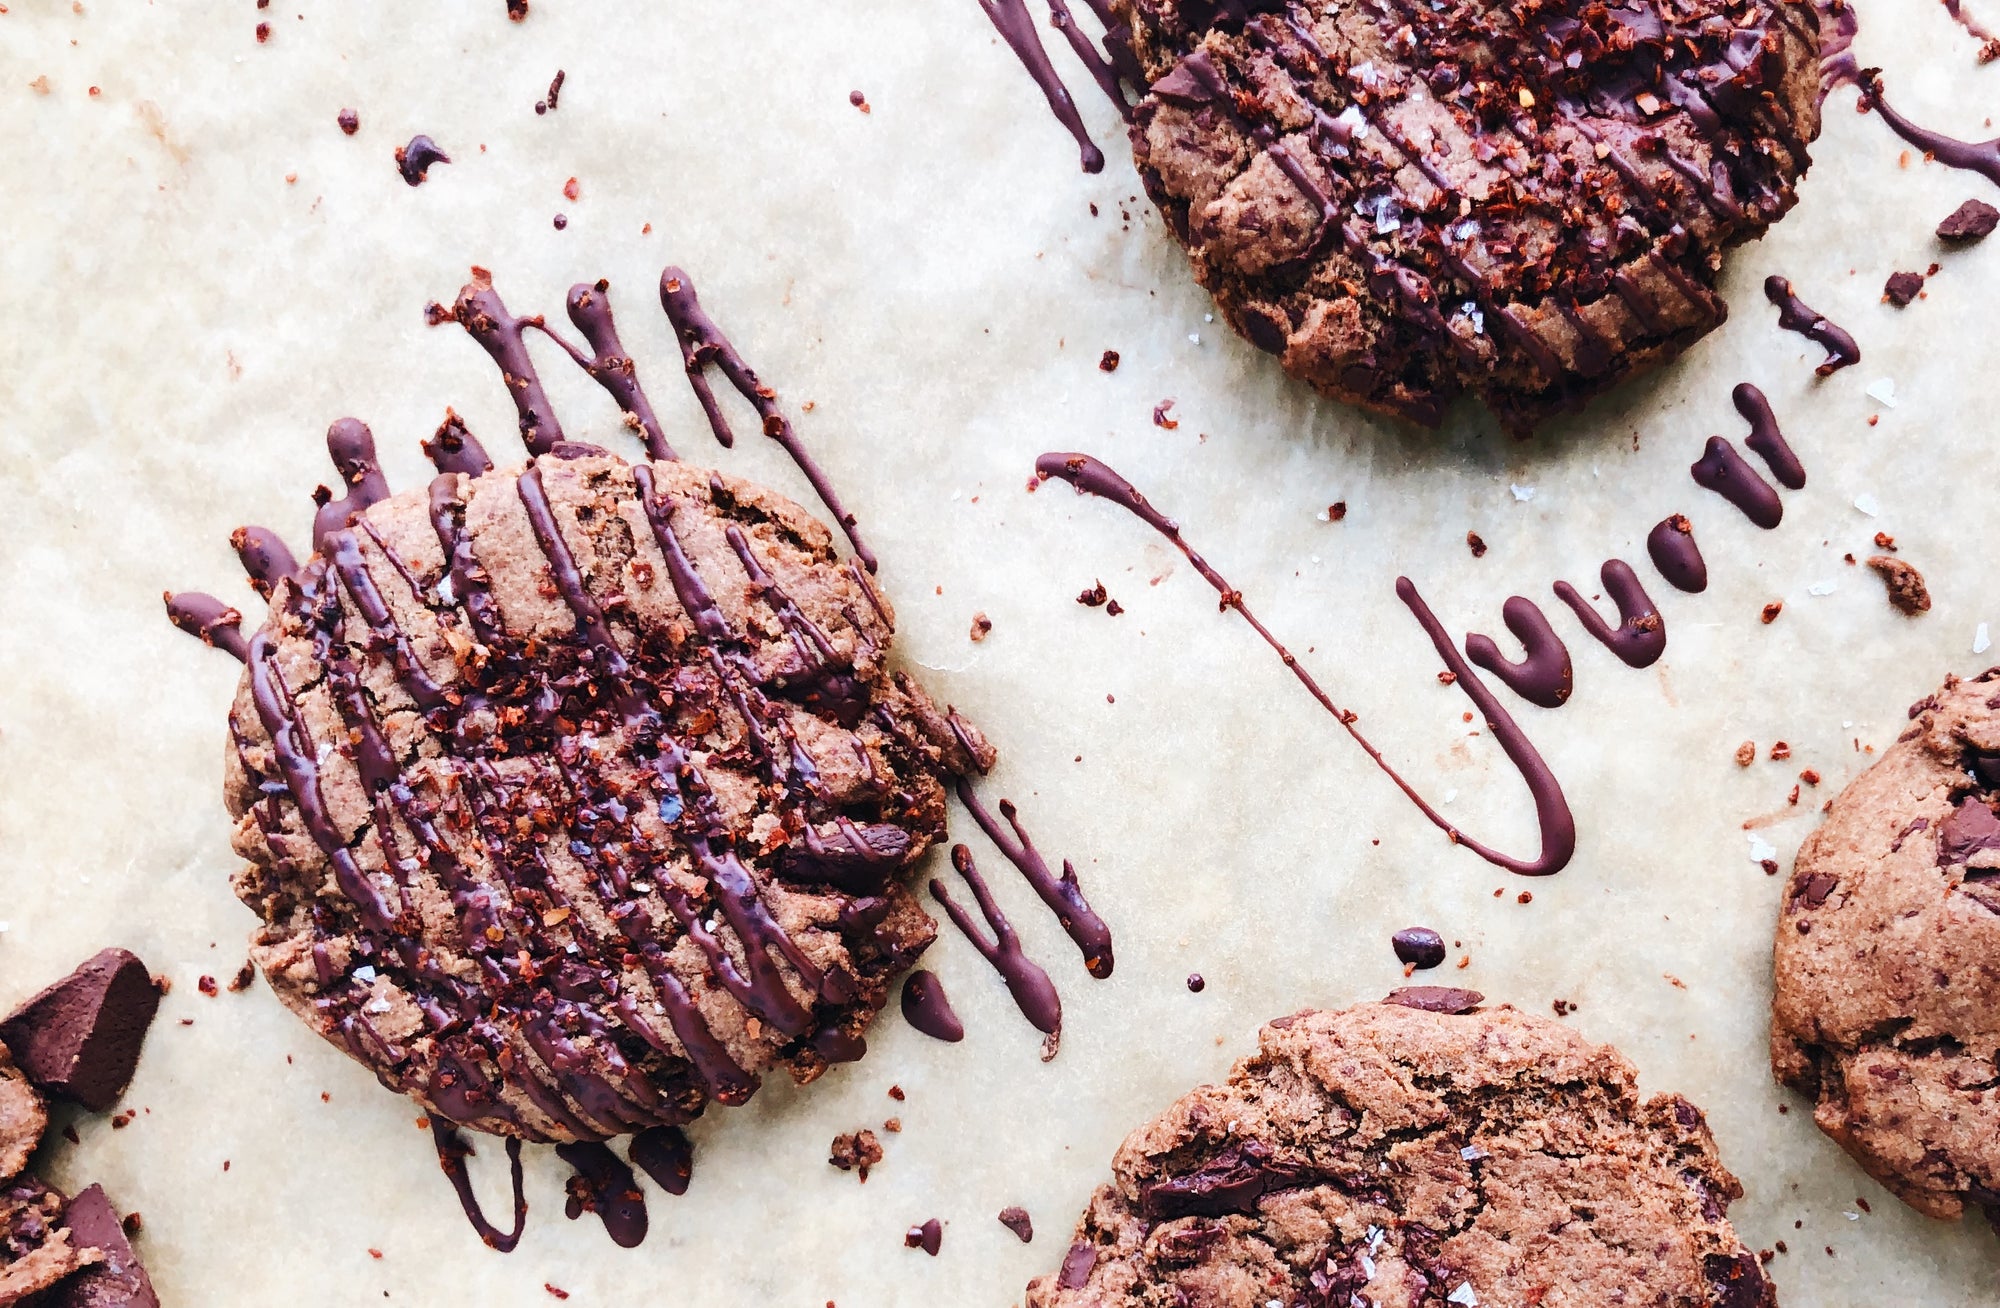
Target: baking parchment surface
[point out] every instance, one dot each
(199, 271)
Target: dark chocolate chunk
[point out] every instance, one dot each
(1902, 287)
(1016, 1219)
(79, 1039)
(1436, 999)
(1972, 221)
(928, 1236)
(1971, 829)
(414, 160)
(1418, 946)
(120, 1281)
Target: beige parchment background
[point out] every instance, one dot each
(198, 272)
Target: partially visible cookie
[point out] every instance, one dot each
(22, 1118)
(1415, 1157)
(1887, 1007)
(1404, 201)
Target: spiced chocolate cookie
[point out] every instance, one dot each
(1415, 1157)
(578, 794)
(1408, 200)
(1887, 1009)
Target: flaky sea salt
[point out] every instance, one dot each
(1821, 588)
(1522, 493)
(1981, 640)
(365, 975)
(1472, 1153)
(1868, 504)
(1194, 338)
(1883, 390)
(1464, 1295)
(1351, 119)
(1761, 850)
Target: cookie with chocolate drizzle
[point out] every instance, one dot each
(1416, 1152)
(1407, 201)
(1887, 1006)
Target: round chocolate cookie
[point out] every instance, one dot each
(1407, 200)
(578, 794)
(1887, 1009)
(1415, 1157)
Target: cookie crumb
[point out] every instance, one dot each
(1780, 751)
(1907, 591)
(1336, 511)
(982, 626)
(1109, 362)
(1476, 545)
(245, 975)
(1746, 753)
(1902, 287)
(1094, 596)
(856, 1151)
(1772, 610)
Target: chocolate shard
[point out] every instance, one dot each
(1436, 999)
(1231, 1182)
(79, 1039)
(856, 857)
(120, 1281)
(1972, 221)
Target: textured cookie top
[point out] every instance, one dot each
(608, 794)
(1406, 200)
(1887, 1007)
(22, 1119)
(1414, 1158)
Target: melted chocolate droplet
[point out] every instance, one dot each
(1033, 992)
(414, 160)
(265, 558)
(1544, 676)
(452, 1153)
(1765, 439)
(209, 620)
(453, 448)
(1195, 983)
(1063, 896)
(1420, 947)
(703, 343)
(1641, 634)
(1674, 552)
(926, 1007)
(1436, 999)
(605, 1185)
(1795, 315)
(1722, 470)
(665, 1154)
(1552, 814)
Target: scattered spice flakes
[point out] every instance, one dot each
(1160, 418)
(1972, 221)
(893, 1125)
(1336, 511)
(1563, 1007)
(896, 1093)
(555, 1291)
(1476, 545)
(1447, 677)
(1902, 287)
(263, 33)
(349, 120)
(1907, 592)
(860, 101)
(1746, 753)
(122, 1120)
(856, 1151)
(245, 975)
(1109, 363)
(1772, 610)
(571, 189)
(1016, 1219)
(982, 626)
(1113, 608)
(1093, 597)
(1810, 777)
(207, 986)
(1674, 981)
(376, 1254)
(1780, 751)
(40, 86)
(1884, 542)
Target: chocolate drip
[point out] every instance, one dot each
(453, 448)
(414, 160)
(209, 620)
(665, 1154)
(452, 1152)
(1973, 27)
(1722, 470)
(1674, 552)
(1011, 19)
(1033, 992)
(1544, 675)
(352, 446)
(469, 583)
(1641, 634)
(1103, 64)
(927, 1008)
(605, 1185)
(1063, 896)
(608, 364)
(1552, 814)
(1982, 157)
(1795, 315)
(1765, 439)
(484, 316)
(703, 343)
(265, 558)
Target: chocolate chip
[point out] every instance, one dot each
(928, 1237)
(1016, 1219)
(1420, 947)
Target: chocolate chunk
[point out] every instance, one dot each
(1970, 830)
(1902, 287)
(414, 160)
(1420, 947)
(1814, 891)
(1082, 1256)
(1231, 1182)
(120, 1280)
(35, 1251)
(1907, 591)
(928, 1237)
(1972, 221)
(1016, 1219)
(1436, 999)
(79, 1039)
(1739, 1281)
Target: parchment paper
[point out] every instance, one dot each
(182, 320)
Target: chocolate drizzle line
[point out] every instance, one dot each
(1543, 676)
(927, 1008)
(1552, 813)
(1765, 439)
(703, 343)
(665, 1154)
(1674, 552)
(1063, 895)
(1641, 634)
(1011, 19)
(1722, 470)
(210, 621)
(1033, 992)
(1795, 315)
(452, 1152)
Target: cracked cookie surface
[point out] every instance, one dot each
(1887, 960)
(1401, 1158)
(1405, 201)
(577, 795)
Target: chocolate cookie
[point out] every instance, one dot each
(578, 794)
(1415, 1158)
(1887, 1009)
(1404, 201)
